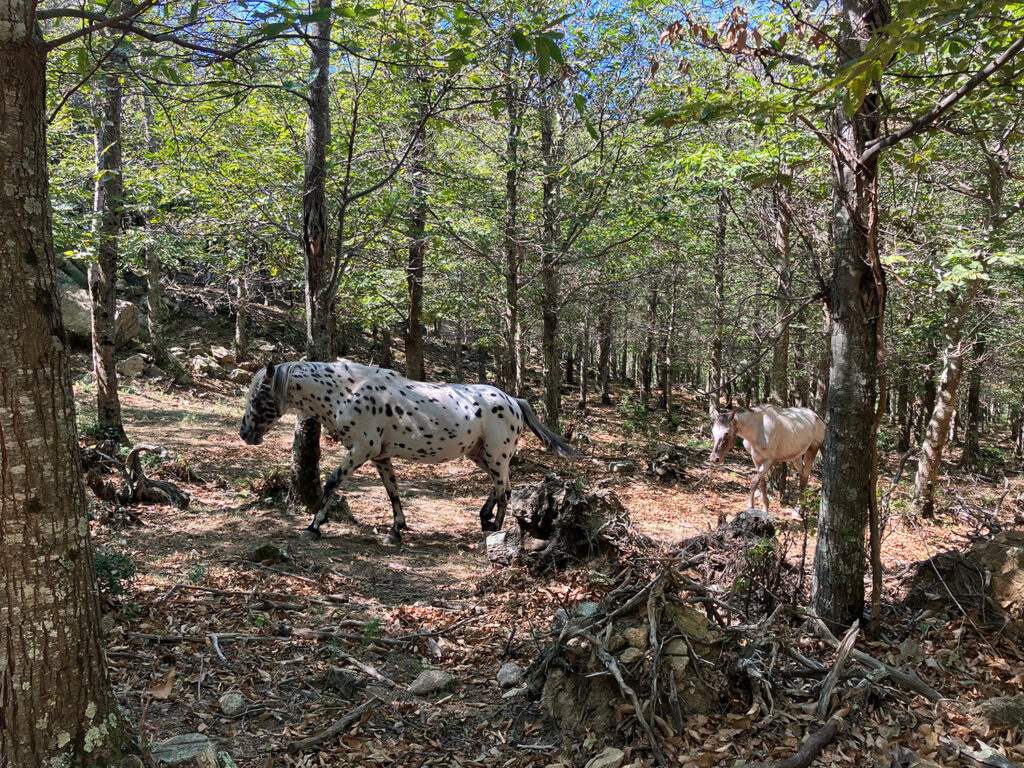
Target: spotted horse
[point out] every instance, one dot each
(379, 415)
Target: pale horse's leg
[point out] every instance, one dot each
(763, 468)
(805, 468)
(355, 459)
(387, 476)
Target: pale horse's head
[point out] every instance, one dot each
(723, 435)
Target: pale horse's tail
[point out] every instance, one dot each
(546, 436)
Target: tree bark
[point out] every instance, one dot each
(242, 314)
(945, 402)
(414, 365)
(57, 705)
(604, 343)
(512, 374)
(157, 314)
(972, 453)
(108, 209)
(647, 358)
(856, 298)
(716, 375)
(550, 148)
(780, 352)
(305, 470)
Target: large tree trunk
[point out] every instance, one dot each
(856, 299)
(550, 148)
(56, 702)
(604, 354)
(414, 366)
(938, 424)
(108, 209)
(305, 474)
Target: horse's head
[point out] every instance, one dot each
(723, 435)
(264, 404)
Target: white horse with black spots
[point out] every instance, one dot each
(379, 415)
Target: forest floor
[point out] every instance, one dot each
(346, 619)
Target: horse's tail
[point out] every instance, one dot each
(549, 438)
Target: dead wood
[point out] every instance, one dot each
(138, 488)
(337, 728)
(811, 748)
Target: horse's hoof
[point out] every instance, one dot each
(392, 539)
(310, 535)
(488, 527)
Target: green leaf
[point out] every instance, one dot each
(581, 104)
(543, 55)
(522, 42)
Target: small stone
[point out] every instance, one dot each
(1003, 710)
(637, 637)
(430, 681)
(240, 376)
(622, 467)
(586, 610)
(207, 366)
(342, 682)
(232, 704)
(561, 617)
(155, 372)
(195, 348)
(265, 552)
(107, 624)
(630, 655)
(131, 367)
(609, 758)
(223, 355)
(510, 674)
(191, 749)
(616, 643)
(513, 693)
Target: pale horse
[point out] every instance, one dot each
(770, 435)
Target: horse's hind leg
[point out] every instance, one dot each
(487, 510)
(502, 492)
(387, 476)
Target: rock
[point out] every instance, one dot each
(155, 372)
(250, 365)
(342, 682)
(107, 624)
(1003, 555)
(240, 376)
(1003, 710)
(232, 704)
(630, 655)
(510, 674)
(126, 324)
(430, 681)
(616, 643)
(586, 610)
(207, 366)
(266, 552)
(637, 637)
(609, 758)
(131, 367)
(190, 750)
(195, 348)
(561, 616)
(622, 467)
(223, 355)
(178, 354)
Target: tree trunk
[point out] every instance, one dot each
(647, 359)
(570, 365)
(460, 342)
(716, 375)
(903, 424)
(57, 705)
(970, 458)
(583, 366)
(305, 470)
(241, 314)
(550, 148)
(604, 354)
(938, 424)
(512, 375)
(856, 298)
(108, 208)
(414, 366)
(157, 313)
(667, 362)
(780, 352)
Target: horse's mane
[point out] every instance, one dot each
(278, 387)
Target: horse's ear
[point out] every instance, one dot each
(713, 412)
(269, 370)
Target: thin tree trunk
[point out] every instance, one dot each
(108, 208)
(550, 147)
(157, 313)
(460, 342)
(583, 358)
(512, 376)
(56, 704)
(414, 365)
(305, 470)
(938, 425)
(972, 453)
(242, 314)
(780, 352)
(604, 342)
(647, 359)
(903, 423)
(717, 377)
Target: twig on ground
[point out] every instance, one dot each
(825, 699)
(810, 749)
(337, 728)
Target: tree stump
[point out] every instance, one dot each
(558, 521)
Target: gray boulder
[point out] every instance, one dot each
(131, 367)
(430, 681)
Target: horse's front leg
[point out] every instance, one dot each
(759, 480)
(387, 476)
(357, 456)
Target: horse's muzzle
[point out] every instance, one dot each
(251, 439)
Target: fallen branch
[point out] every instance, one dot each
(825, 700)
(910, 680)
(810, 749)
(339, 727)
